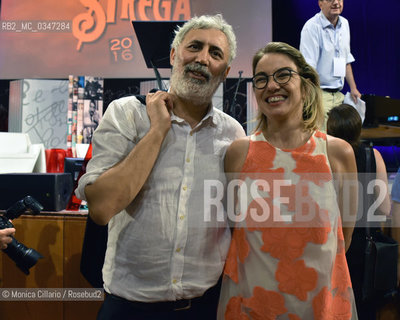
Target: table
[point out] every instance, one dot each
(383, 135)
(58, 236)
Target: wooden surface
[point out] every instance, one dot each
(59, 239)
(380, 132)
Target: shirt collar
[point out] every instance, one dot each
(207, 119)
(326, 23)
(209, 115)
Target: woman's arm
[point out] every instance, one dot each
(236, 155)
(396, 231)
(381, 176)
(344, 168)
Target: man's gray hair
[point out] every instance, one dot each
(207, 22)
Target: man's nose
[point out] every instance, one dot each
(203, 57)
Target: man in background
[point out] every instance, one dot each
(325, 44)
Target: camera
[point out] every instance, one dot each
(23, 257)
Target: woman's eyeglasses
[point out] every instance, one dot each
(280, 76)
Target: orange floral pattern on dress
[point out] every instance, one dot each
(263, 181)
(231, 263)
(293, 316)
(284, 243)
(287, 245)
(312, 168)
(341, 244)
(319, 235)
(310, 216)
(265, 304)
(261, 214)
(290, 192)
(340, 275)
(319, 134)
(322, 304)
(299, 197)
(340, 229)
(234, 310)
(239, 248)
(341, 308)
(308, 147)
(296, 278)
(317, 228)
(242, 245)
(327, 307)
(262, 157)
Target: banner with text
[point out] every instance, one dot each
(53, 39)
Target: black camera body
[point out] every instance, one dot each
(24, 257)
(5, 223)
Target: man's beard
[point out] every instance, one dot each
(196, 90)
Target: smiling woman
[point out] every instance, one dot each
(279, 57)
(278, 101)
(291, 264)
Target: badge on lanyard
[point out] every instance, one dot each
(339, 67)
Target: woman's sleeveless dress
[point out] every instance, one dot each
(287, 256)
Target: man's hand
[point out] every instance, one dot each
(118, 186)
(352, 84)
(5, 237)
(355, 94)
(158, 105)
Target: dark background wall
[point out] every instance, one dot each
(375, 38)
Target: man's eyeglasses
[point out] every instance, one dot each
(280, 76)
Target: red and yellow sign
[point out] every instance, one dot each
(53, 39)
(91, 25)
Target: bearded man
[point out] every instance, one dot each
(146, 180)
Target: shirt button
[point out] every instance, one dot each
(184, 188)
(182, 217)
(174, 281)
(187, 160)
(178, 250)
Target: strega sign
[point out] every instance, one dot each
(91, 25)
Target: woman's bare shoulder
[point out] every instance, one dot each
(236, 154)
(340, 154)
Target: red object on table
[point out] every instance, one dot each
(75, 203)
(55, 160)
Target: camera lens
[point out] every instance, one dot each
(24, 257)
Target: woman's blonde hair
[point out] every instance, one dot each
(313, 112)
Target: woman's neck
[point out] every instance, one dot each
(287, 137)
